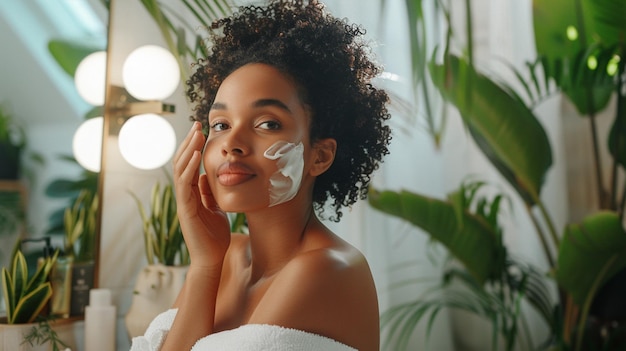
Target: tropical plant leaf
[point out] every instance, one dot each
(565, 38)
(538, 295)
(617, 134)
(29, 306)
(147, 234)
(504, 128)
(423, 36)
(163, 238)
(495, 301)
(42, 273)
(24, 298)
(172, 26)
(19, 274)
(591, 253)
(557, 28)
(607, 20)
(63, 188)
(68, 54)
(464, 237)
(96, 111)
(8, 292)
(238, 223)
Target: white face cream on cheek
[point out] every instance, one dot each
(285, 182)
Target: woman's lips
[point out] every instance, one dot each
(233, 173)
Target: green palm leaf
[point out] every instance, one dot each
(68, 54)
(464, 235)
(566, 38)
(606, 18)
(590, 253)
(504, 128)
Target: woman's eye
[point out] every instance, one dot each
(270, 125)
(219, 126)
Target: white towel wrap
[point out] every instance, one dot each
(249, 337)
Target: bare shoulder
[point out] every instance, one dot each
(322, 291)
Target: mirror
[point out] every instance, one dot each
(40, 96)
(122, 252)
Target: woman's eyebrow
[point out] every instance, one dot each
(271, 102)
(218, 106)
(256, 104)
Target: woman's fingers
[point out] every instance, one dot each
(194, 141)
(187, 162)
(208, 201)
(185, 143)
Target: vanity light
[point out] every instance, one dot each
(87, 144)
(150, 74)
(147, 141)
(90, 78)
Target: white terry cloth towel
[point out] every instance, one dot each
(249, 337)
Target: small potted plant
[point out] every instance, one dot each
(160, 281)
(26, 297)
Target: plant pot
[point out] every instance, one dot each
(155, 291)
(12, 338)
(12, 335)
(10, 161)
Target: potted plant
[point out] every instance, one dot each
(160, 281)
(80, 226)
(79, 222)
(12, 143)
(26, 297)
(588, 258)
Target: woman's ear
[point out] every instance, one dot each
(323, 155)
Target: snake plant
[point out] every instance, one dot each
(163, 238)
(80, 226)
(26, 296)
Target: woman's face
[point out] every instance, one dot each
(258, 140)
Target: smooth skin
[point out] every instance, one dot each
(290, 270)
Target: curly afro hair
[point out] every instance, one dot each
(330, 62)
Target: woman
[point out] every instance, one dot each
(295, 130)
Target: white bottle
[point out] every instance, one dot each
(100, 321)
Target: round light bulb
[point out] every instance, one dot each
(151, 72)
(90, 78)
(87, 144)
(147, 141)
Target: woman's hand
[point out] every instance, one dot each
(204, 225)
(207, 234)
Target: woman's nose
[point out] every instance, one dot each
(235, 143)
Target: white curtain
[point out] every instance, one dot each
(396, 251)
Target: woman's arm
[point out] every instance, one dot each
(206, 231)
(196, 310)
